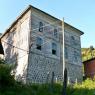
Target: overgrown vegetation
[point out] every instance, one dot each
(86, 54)
(86, 88)
(8, 86)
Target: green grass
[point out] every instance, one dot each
(86, 88)
(8, 86)
(33, 89)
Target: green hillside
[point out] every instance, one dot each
(86, 54)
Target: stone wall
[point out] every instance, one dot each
(42, 62)
(73, 60)
(35, 65)
(37, 71)
(74, 73)
(40, 69)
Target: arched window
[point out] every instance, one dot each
(72, 40)
(66, 52)
(54, 49)
(55, 33)
(40, 27)
(75, 56)
(72, 37)
(39, 43)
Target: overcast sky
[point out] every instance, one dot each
(79, 13)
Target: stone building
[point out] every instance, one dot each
(39, 44)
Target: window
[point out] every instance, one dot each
(55, 33)
(66, 53)
(54, 49)
(75, 56)
(72, 37)
(72, 40)
(39, 43)
(40, 27)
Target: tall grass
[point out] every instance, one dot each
(8, 86)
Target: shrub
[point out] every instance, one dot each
(6, 79)
(2, 61)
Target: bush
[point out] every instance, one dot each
(2, 61)
(6, 79)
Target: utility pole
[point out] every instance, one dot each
(64, 82)
(63, 46)
(64, 67)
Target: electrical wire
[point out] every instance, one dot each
(23, 49)
(58, 21)
(32, 36)
(46, 26)
(16, 59)
(14, 46)
(53, 23)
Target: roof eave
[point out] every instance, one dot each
(26, 10)
(20, 16)
(81, 32)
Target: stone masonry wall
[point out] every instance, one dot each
(41, 67)
(37, 65)
(73, 60)
(42, 62)
(74, 73)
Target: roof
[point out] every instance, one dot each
(26, 10)
(89, 60)
(81, 32)
(20, 16)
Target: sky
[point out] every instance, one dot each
(78, 13)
